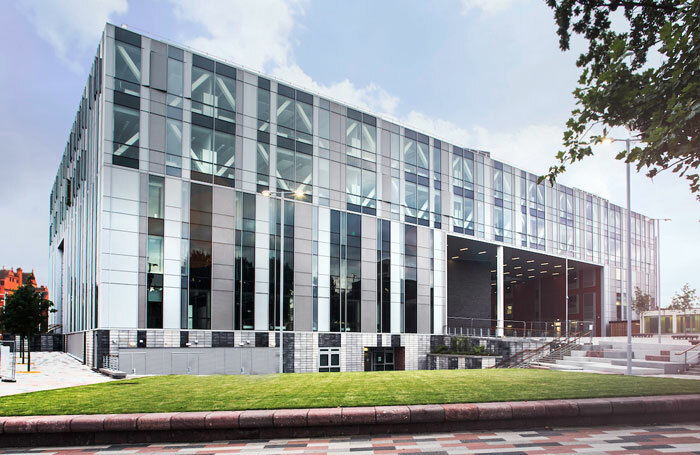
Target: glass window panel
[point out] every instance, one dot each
(469, 213)
(285, 166)
(369, 138)
(468, 170)
(457, 168)
(304, 168)
(457, 213)
(498, 180)
(202, 87)
(305, 118)
(353, 180)
(285, 112)
(540, 194)
(437, 206)
(498, 220)
(395, 148)
(410, 196)
(263, 159)
(175, 76)
(201, 144)
(437, 155)
(324, 124)
(422, 201)
(225, 148)
(126, 128)
(174, 101)
(409, 151)
(395, 191)
(423, 155)
(127, 62)
(225, 90)
(156, 202)
(173, 137)
(369, 184)
(155, 254)
(353, 135)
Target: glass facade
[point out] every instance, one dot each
(191, 144)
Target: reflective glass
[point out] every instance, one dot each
(202, 87)
(423, 155)
(201, 149)
(126, 132)
(353, 135)
(173, 137)
(175, 76)
(156, 190)
(457, 168)
(155, 254)
(285, 112)
(409, 151)
(353, 180)
(469, 213)
(410, 196)
(263, 109)
(285, 167)
(304, 118)
(369, 184)
(127, 62)
(369, 138)
(324, 175)
(225, 148)
(225, 90)
(304, 168)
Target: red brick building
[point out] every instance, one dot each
(11, 280)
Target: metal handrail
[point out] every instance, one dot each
(685, 353)
(529, 354)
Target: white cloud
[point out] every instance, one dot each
(254, 34)
(485, 6)
(71, 26)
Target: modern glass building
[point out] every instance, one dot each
(165, 246)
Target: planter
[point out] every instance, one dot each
(461, 361)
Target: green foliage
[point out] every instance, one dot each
(23, 313)
(684, 300)
(462, 346)
(318, 390)
(643, 77)
(641, 302)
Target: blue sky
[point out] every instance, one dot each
(486, 74)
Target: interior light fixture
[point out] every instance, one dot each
(463, 249)
(531, 276)
(455, 257)
(545, 263)
(555, 273)
(517, 267)
(543, 271)
(570, 268)
(530, 270)
(557, 266)
(482, 252)
(530, 260)
(519, 274)
(515, 259)
(494, 271)
(506, 273)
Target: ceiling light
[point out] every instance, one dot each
(531, 260)
(463, 249)
(557, 266)
(519, 274)
(530, 270)
(506, 273)
(545, 263)
(517, 267)
(482, 252)
(555, 273)
(531, 276)
(543, 271)
(513, 282)
(494, 271)
(455, 257)
(515, 259)
(570, 268)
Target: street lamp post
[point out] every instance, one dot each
(628, 261)
(280, 195)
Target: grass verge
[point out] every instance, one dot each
(211, 393)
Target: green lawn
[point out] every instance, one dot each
(208, 393)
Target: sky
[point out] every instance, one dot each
(485, 74)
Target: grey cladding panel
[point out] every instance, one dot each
(159, 71)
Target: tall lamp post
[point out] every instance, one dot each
(658, 270)
(280, 195)
(628, 142)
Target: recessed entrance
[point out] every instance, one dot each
(384, 359)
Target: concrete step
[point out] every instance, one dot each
(666, 367)
(610, 368)
(658, 358)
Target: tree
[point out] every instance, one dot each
(645, 77)
(23, 313)
(641, 302)
(684, 301)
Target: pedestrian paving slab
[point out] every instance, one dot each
(52, 370)
(622, 440)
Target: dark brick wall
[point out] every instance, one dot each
(468, 290)
(101, 346)
(222, 340)
(262, 340)
(328, 340)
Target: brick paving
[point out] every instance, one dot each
(622, 440)
(51, 370)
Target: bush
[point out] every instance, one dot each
(462, 346)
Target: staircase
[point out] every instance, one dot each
(693, 370)
(528, 358)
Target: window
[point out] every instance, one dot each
(154, 301)
(127, 68)
(175, 76)
(328, 360)
(573, 305)
(156, 194)
(202, 91)
(263, 109)
(201, 149)
(361, 135)
(173, 143)
(294, 114)
(126, 137)
(155, 254)
(224, 154)
(263, 164)
(225, 98)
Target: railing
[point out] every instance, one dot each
(685, 354)
(513, 328)
(527, 356)
(110, 361)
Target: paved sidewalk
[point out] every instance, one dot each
(50, 370)
(623, 440)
